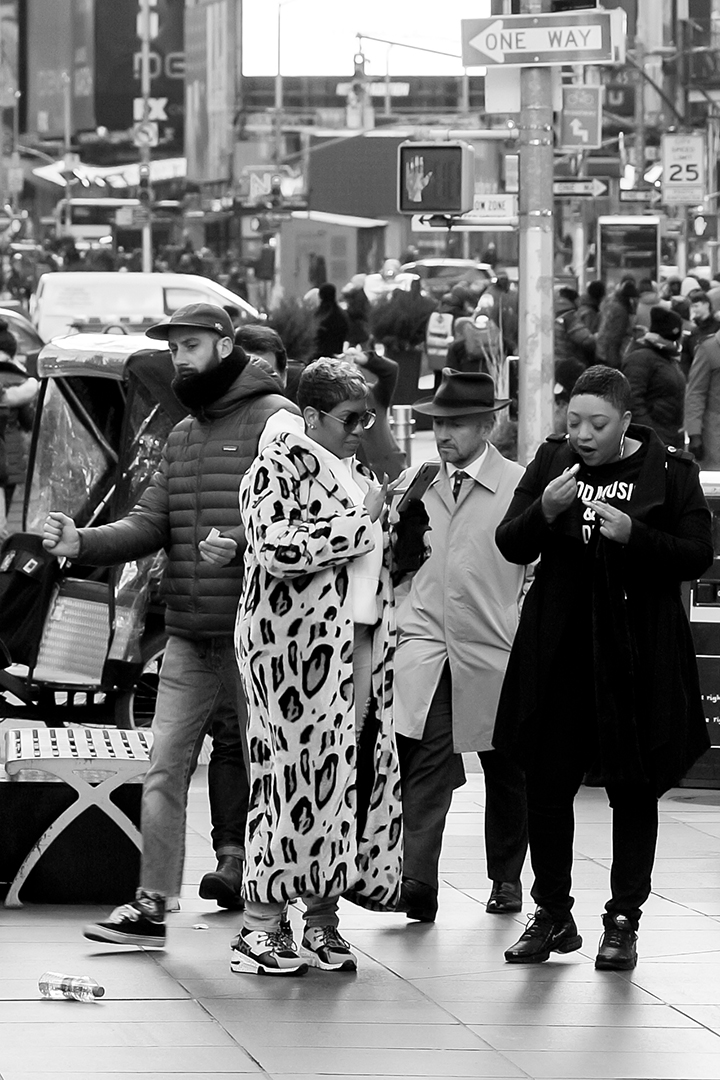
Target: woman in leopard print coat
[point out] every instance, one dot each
(315, 640)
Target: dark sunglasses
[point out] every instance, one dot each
(351, 421)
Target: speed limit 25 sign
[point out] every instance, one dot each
(683, 162)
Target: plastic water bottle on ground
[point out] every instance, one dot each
(72, 987)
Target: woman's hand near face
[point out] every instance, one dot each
(615, 525)
(559, 494)
(375, 499)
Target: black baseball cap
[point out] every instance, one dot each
(202, 316)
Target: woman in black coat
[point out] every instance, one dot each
(331, 324)
(602, 678)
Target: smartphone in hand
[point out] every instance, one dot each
(419, 484)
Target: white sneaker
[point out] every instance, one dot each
(324, 948)
(257, 952)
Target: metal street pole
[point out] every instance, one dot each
(147, 252)
(278, 89)
(67, 141)
(536, 243)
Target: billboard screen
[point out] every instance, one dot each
(49, 42)
(118, 101)
(210, 51)
(60, 76)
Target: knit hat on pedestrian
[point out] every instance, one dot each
(666, 324)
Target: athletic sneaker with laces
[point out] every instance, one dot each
(140, 923)
(542, 936)
(257, 952)
(618, 945)
(324, 948)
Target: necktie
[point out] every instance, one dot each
(457, 483)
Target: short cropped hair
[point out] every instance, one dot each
(607, 383)
(699, 296)
(326, 383)
(262, 339)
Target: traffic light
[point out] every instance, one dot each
(144, 192)
(703, 226)
(435, 178)
(359, 112)
(276, 195)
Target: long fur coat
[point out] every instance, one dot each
(318, 822)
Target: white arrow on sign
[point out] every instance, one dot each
(579, 130)
(498, 39)
(592, 187)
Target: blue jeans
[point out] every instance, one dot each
(199, 691)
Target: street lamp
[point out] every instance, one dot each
(279, 81)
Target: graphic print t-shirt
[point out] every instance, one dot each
(614, 483)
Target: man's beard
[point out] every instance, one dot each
(201, 388)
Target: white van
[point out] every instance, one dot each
(63, 302)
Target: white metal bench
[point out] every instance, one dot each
(93, 761)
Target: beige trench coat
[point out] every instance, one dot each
(463, 606)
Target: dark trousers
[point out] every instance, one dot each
(551, 790)
(228, 788)
(430, 771)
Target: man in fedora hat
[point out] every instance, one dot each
(455, 629)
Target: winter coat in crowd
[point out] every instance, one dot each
(379, 448)
(637, 665)
(331, 324)
(616, 325)
(649, 297)
(294, 643)
(574, 339)
(653, 370)
(195, 490)
(462, 609)
(702, 401)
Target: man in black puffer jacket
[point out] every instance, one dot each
(191, 509)
(658, 385)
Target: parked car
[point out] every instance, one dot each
(439, 275)
(90, 301)
(81, 643)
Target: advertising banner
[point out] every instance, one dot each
(118, 101)
(210, 52)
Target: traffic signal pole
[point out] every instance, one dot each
(536, 376)
(147, 253)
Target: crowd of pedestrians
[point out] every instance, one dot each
(346, 629)
(666, 342)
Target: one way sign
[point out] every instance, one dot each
(594, 188)
(585, 37)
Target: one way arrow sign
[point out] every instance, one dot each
(594, 188)
(585, 37)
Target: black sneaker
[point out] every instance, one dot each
(256, 952)
(617, 950)
(542, 936)
(138, 923)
